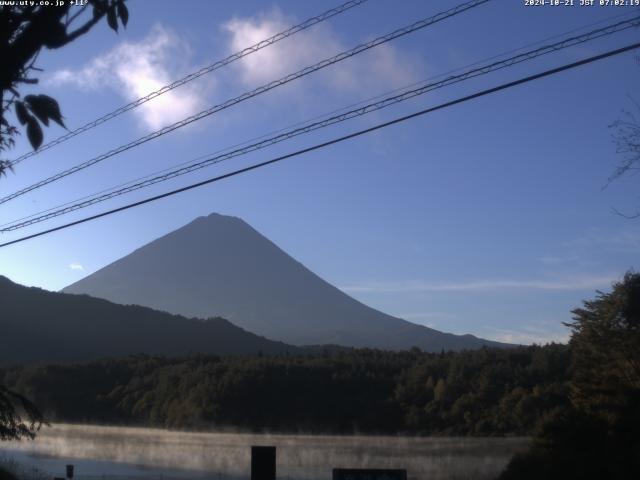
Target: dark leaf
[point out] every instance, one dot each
(21, 113)
(34, 133)
(112, 19)
(123, 13)
(38, 108)
(45, 106)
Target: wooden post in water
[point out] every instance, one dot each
(263, 463)
(69, 471)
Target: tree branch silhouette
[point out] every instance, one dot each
(24, 32)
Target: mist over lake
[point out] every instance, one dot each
(139, 452)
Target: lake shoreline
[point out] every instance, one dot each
(128, 452)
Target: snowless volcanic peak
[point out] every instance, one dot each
(220, 266)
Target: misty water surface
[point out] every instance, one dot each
(121, 453)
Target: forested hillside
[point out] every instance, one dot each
(41, 326)
(482, 392)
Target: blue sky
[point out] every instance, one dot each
(487, 218)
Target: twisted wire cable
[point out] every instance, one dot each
(192, 76)
(371, 107)
(334, 141)
(248, 95)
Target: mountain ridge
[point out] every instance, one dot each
(42, 326)
(219, 265)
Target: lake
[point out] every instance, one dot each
(120, 453)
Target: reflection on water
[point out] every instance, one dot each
(116, 452)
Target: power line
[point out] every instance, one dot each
(419, 113)
(247, 95)
(371, 107)
(194, 75)
(323, 115)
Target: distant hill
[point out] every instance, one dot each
(220, 266)
(41, 326)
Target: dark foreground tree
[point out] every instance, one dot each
(24, 31)
(598, 435)
(606, 353)
(19, 418)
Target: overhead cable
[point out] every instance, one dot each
(425, 111)
(248, 95)
(357, 112)
(194, 75)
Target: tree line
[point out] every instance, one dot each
(479, 392)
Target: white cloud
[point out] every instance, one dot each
(622, 240)
(76, 266)
(527, 335)
(428, 319)
(134, 69)
(427, 316)
(576, 282)
(382, 67)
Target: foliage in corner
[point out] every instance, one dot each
(606, 353)
(25, 29)
(597, 435)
